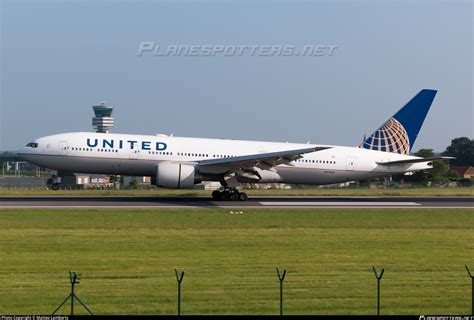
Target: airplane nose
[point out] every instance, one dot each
(21, 154)
(25, 153)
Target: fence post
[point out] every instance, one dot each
(281, 277)
(472, 288)
(378, 277)
(179, 279)
(73, 279)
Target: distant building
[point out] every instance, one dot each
(83, 180)
(129, 181)
(465, 172)
(273, 185)
(209, 185)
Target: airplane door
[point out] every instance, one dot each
(350, 164)
(63, 148)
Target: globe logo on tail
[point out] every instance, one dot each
(391, 137)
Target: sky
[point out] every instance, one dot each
(59, 58)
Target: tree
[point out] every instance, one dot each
(438, 174)
(422, 176)
(463, 150)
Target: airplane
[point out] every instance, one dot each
(180, 162)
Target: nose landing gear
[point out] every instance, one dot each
(229, 194)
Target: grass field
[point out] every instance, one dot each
(127, 260)
(468, 191)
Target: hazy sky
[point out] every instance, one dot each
(61, 57)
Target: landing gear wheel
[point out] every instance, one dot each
(234, 196)
(225, 195)
(243, 196)
(55, 186)
(229, 194)
(216, 195)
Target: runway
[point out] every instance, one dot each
(253, 202)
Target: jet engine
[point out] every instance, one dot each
(175, 176)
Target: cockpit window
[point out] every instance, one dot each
(32, 145)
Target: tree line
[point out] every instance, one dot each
(461, 148)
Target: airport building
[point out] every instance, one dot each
(83, 181)
(103, 120)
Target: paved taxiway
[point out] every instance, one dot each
(253, 202)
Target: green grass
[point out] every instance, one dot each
(127, 260)
(467, 191)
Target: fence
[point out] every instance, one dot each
(74, 280)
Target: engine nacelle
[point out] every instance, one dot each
(174, 176)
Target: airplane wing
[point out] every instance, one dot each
(263, 161)
(410, 161)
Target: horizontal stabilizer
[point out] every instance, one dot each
(410, 161)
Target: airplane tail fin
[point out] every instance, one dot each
(399, 133)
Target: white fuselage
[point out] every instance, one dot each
(139, 155)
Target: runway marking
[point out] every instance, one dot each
(340, 204)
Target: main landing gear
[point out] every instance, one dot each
(231, 194)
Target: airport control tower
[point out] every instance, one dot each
(103, 120)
